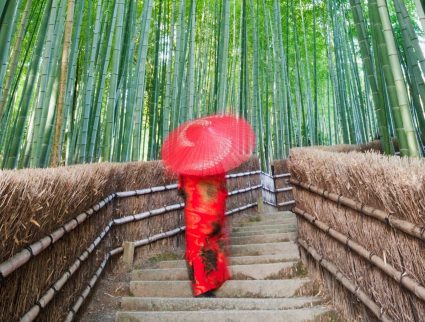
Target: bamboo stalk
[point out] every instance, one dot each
(402, 110)
(147, 214)
(55, 152)
(154, 238)
(286, 203)
(236, 192)
(269, 203)
(400, 277)
(278, 190)
(126, 194)
(242, 174)
(8, 22)
(284, 189)
(236, 210)
(4, 91)
(420, 12)
(283, 175)
(383, 216)
(377, 96)
(338, 275)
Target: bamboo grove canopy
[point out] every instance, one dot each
(107, 80)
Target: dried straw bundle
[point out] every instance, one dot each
(391, 184)
(34, 203)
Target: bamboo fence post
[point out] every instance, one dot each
(274, 185)
(128, 256)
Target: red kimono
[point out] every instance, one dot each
(206, 235)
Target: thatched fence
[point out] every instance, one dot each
(361, 222)
(60, 228)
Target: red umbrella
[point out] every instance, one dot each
(209, 145)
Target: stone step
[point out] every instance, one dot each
(292, 315)
(191, 304)
(277, 215)
(237, 260)
(287, 221)
(254, 271)
(289, 227)
(287, 248)
(242, 288)
(263, 238)
(262, 218)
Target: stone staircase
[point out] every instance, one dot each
(265, 283)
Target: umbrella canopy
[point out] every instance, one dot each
(209, 145)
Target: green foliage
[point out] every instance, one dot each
(137, 69)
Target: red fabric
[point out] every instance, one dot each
(209, 145)
(206, 235)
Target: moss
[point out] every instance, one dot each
(284, 273)
(240, 277)
(255, 219)
(300, 270)
(311, 288)
(167, 256)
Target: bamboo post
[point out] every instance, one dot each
(274, 186)
(128, 256)
(260, 205)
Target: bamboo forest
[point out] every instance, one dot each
(107, 80)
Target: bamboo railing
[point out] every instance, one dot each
(402, 277)
(22, 257)
(26, 254)
(385, 217)
(276, 191)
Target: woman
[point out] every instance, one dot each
(206, 236)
